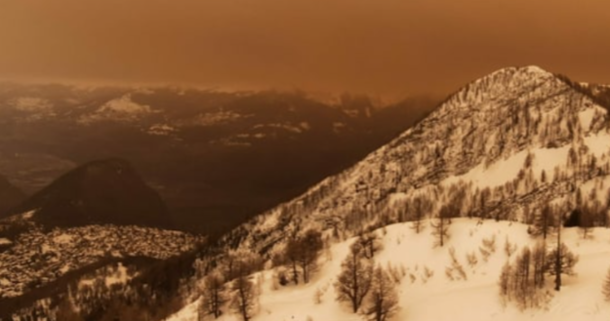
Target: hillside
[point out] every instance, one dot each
(501, 147)
(94, 229)
(426, 291)
(100, 192)
(524, 147)
(90, 264)
(519, 157)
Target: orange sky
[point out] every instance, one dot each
(388, 47)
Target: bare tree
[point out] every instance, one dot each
(562, 259)
(310, 244)
(522, 281)
(354, 281)
(539, 264)
(522, 289)
(504, 282)
(292, 254)
(544, 222)
(441, 226)
(244, 295)
(420, 207)
(213, 296)
(382, 302)
(303, 252)
(586, 220)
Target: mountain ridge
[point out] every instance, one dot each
(511, 93)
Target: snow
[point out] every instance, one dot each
(124, 105)
(83, 283)
(586, 117)
(119, 109)
(437, 297)
(62, 238)
(472, 141)
(28, 215)
(218, 118)
(65, 269)
(161, 129)
(45, 248)
(505, 170)
(294, 128)
(598, 143)
(119, 277)
(33, 108)
(496, 175)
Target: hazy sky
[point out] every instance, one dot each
(376, 46)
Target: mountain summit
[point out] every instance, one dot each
(502, 145)
(100, 192)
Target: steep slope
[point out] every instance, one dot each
(484, 152)
(505, 147)
(100, 192)
(10, 195)
(426, 291)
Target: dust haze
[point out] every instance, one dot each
(387, 47)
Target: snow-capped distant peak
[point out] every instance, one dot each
(119, 109)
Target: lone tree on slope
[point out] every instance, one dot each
(354, 281)
(441, 225)
(244, 295)
(213, 296)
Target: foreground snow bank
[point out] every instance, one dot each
(427, 293)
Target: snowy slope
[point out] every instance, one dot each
(473, 147)
(437, 297)
(502, 148)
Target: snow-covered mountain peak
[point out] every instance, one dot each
(529, 72)
(511, 83)
(486, 146)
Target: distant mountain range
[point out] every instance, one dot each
(216, 158)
